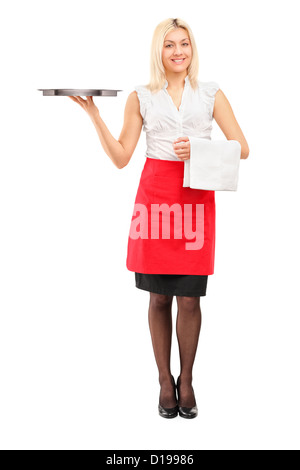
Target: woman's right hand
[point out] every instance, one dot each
(88, 105)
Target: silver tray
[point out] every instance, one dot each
(77, 92)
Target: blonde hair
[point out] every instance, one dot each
(157, 70)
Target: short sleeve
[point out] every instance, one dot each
(144, 98)
(209, 90)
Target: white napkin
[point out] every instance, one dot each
(213, 164)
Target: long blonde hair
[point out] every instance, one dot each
(157, 70)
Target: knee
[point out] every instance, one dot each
(188, 305)
(160, 301)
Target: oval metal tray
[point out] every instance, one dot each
(77, 92)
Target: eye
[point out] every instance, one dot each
(184, 44)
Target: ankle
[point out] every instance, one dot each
(165, 378)
(186, 378)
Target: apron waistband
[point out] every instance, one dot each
(170, 168)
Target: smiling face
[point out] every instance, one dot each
(177, 51)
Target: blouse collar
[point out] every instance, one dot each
(186, 80)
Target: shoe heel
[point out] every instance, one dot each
(169, 413)
(184, 412)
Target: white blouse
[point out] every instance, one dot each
(164, 123)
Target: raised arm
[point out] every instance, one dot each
(225, 118)
(119, 151)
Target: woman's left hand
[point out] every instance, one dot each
(182, 148)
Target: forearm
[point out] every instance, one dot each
(111, 146)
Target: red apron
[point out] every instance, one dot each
(172, 228)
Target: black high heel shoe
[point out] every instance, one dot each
(188, 413)
(169, 412)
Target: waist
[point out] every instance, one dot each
(170, 168)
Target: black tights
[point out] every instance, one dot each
(188, 327)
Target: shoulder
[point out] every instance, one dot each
(142, 90)
(136, 100)
(208, 88)
(143, 93)
(132, 99)
(139, 94)
(208, 93)
(142, 97)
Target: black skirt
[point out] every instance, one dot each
(172, 284)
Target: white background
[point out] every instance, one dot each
(77, 367)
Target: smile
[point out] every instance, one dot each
(178, 61)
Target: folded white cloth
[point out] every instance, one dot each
(213, 164)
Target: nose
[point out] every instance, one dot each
(178, 51)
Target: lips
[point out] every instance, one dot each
(178, 61)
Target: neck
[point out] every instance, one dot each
(176, 80)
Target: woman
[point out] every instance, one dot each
(173, 105)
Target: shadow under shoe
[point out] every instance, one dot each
(169, 412)
(184, 412)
